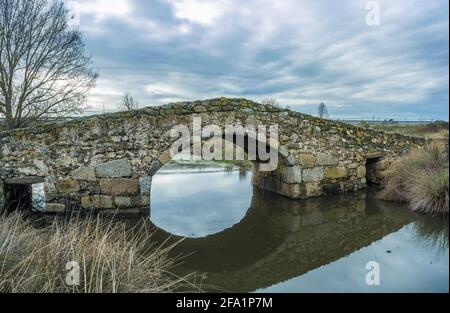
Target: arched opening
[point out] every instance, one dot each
(193, 197)
(196, 195)
(375, 169)
(24, 194)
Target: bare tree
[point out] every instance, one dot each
(129, 103)
(323, 111)
(271, 101)
(44, 70)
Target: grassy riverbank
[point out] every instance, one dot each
(111, 258)
(421, 179)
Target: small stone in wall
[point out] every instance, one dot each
(146, 186)
(290, 160)
(27, 171)
(41, 166)
(86, 173)
(313, 189)
(165, 157)
(361, 172)
(335, 172)
(200, 109)
(313, 175)
(154, 167)
(114, 169)
(97, 202)
(123, 202)
(67, 185)
(326, 159)
(291, 174)
(283, 151)
(120, 187)
(307, 160)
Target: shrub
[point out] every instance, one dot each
(430, 192)
(420, 178)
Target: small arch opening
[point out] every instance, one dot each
(25, 194)
(372, 171)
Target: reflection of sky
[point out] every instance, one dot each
(411, 266)
(199, 204)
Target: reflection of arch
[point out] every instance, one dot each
(251, 233)
(198, 199)
(280, 239)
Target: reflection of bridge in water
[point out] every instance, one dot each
(280, 239)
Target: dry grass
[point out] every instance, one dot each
(112, 258)
(420, 179)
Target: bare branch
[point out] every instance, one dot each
(44, 70)
(129, 103)
(271, 101)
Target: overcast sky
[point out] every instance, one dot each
(299, 52)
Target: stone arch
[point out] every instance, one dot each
(285, 180)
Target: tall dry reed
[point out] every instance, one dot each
(421, 179)
(111, 257)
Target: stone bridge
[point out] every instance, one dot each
(105, 163)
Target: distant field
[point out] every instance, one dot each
(432, 130)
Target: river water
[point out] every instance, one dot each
(244, 240)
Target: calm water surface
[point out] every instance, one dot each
(245, 240)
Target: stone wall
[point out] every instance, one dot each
(106, 162)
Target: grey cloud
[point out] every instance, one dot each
(299, 52)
